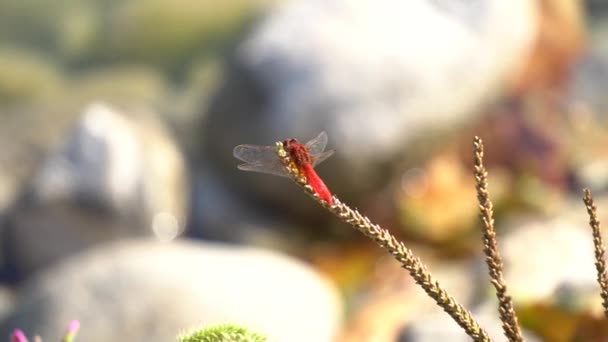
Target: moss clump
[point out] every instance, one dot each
(221, 333)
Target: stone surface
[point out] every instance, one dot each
(542, 256)
(589, 77)
(589, 83)
(597, 8)
(113, 177)
(382, 78)
(27, 134)
(221, 213)
(150, 291)
(438, 326)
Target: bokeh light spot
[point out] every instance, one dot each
(165, 226)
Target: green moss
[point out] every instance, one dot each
(221, 333)
(167, 33)
(27, 77)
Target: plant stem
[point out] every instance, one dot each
(600, 250)
(508, 318)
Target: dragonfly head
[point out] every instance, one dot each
(289, 142)
(297, 152)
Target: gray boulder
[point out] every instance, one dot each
(113, 177)
(541, 257)
(438, 326)
(150, 291)
(383, 78)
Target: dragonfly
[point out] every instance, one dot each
(305, 157)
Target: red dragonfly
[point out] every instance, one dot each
(304, 156)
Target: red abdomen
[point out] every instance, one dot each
(316, 183)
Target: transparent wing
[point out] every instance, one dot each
(274, 169)
(262, 159)
(318, 144)
(255, 153)
(318, 159)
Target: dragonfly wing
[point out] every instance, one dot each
(318, 159)
(262, 159)
(318, 144)
(253, 154)
(273, 169)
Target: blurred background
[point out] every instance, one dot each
(121, 204)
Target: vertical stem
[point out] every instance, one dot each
(600, 250)
(505, 304)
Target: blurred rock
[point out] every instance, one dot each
(551, 273)
(218, 213)
(148, 291)
(27, 134)
(113, 177)
(590, 83)
(594, 173)
(577, 298)
(596, 8)
(221, 212)
(183, 112)
(439, 326)
(382, 78)
(542, 256)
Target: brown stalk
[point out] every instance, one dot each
(398, 250)
(600, 259)
(508, 318)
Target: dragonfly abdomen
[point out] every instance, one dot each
(316, 183)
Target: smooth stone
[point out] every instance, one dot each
(384, 79)
(151, 291)
(540, 256)
(114, 176)
(439, 326)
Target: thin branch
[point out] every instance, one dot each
(510, 325)
(600, 259)
(398, 250)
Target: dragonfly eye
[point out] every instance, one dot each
(288, 142)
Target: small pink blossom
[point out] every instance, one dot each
(18, 336)
(72, 331)
(73, 326)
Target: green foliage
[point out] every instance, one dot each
(221, 333)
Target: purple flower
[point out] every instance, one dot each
(74, 326)
(72, 330)
(18, 336)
